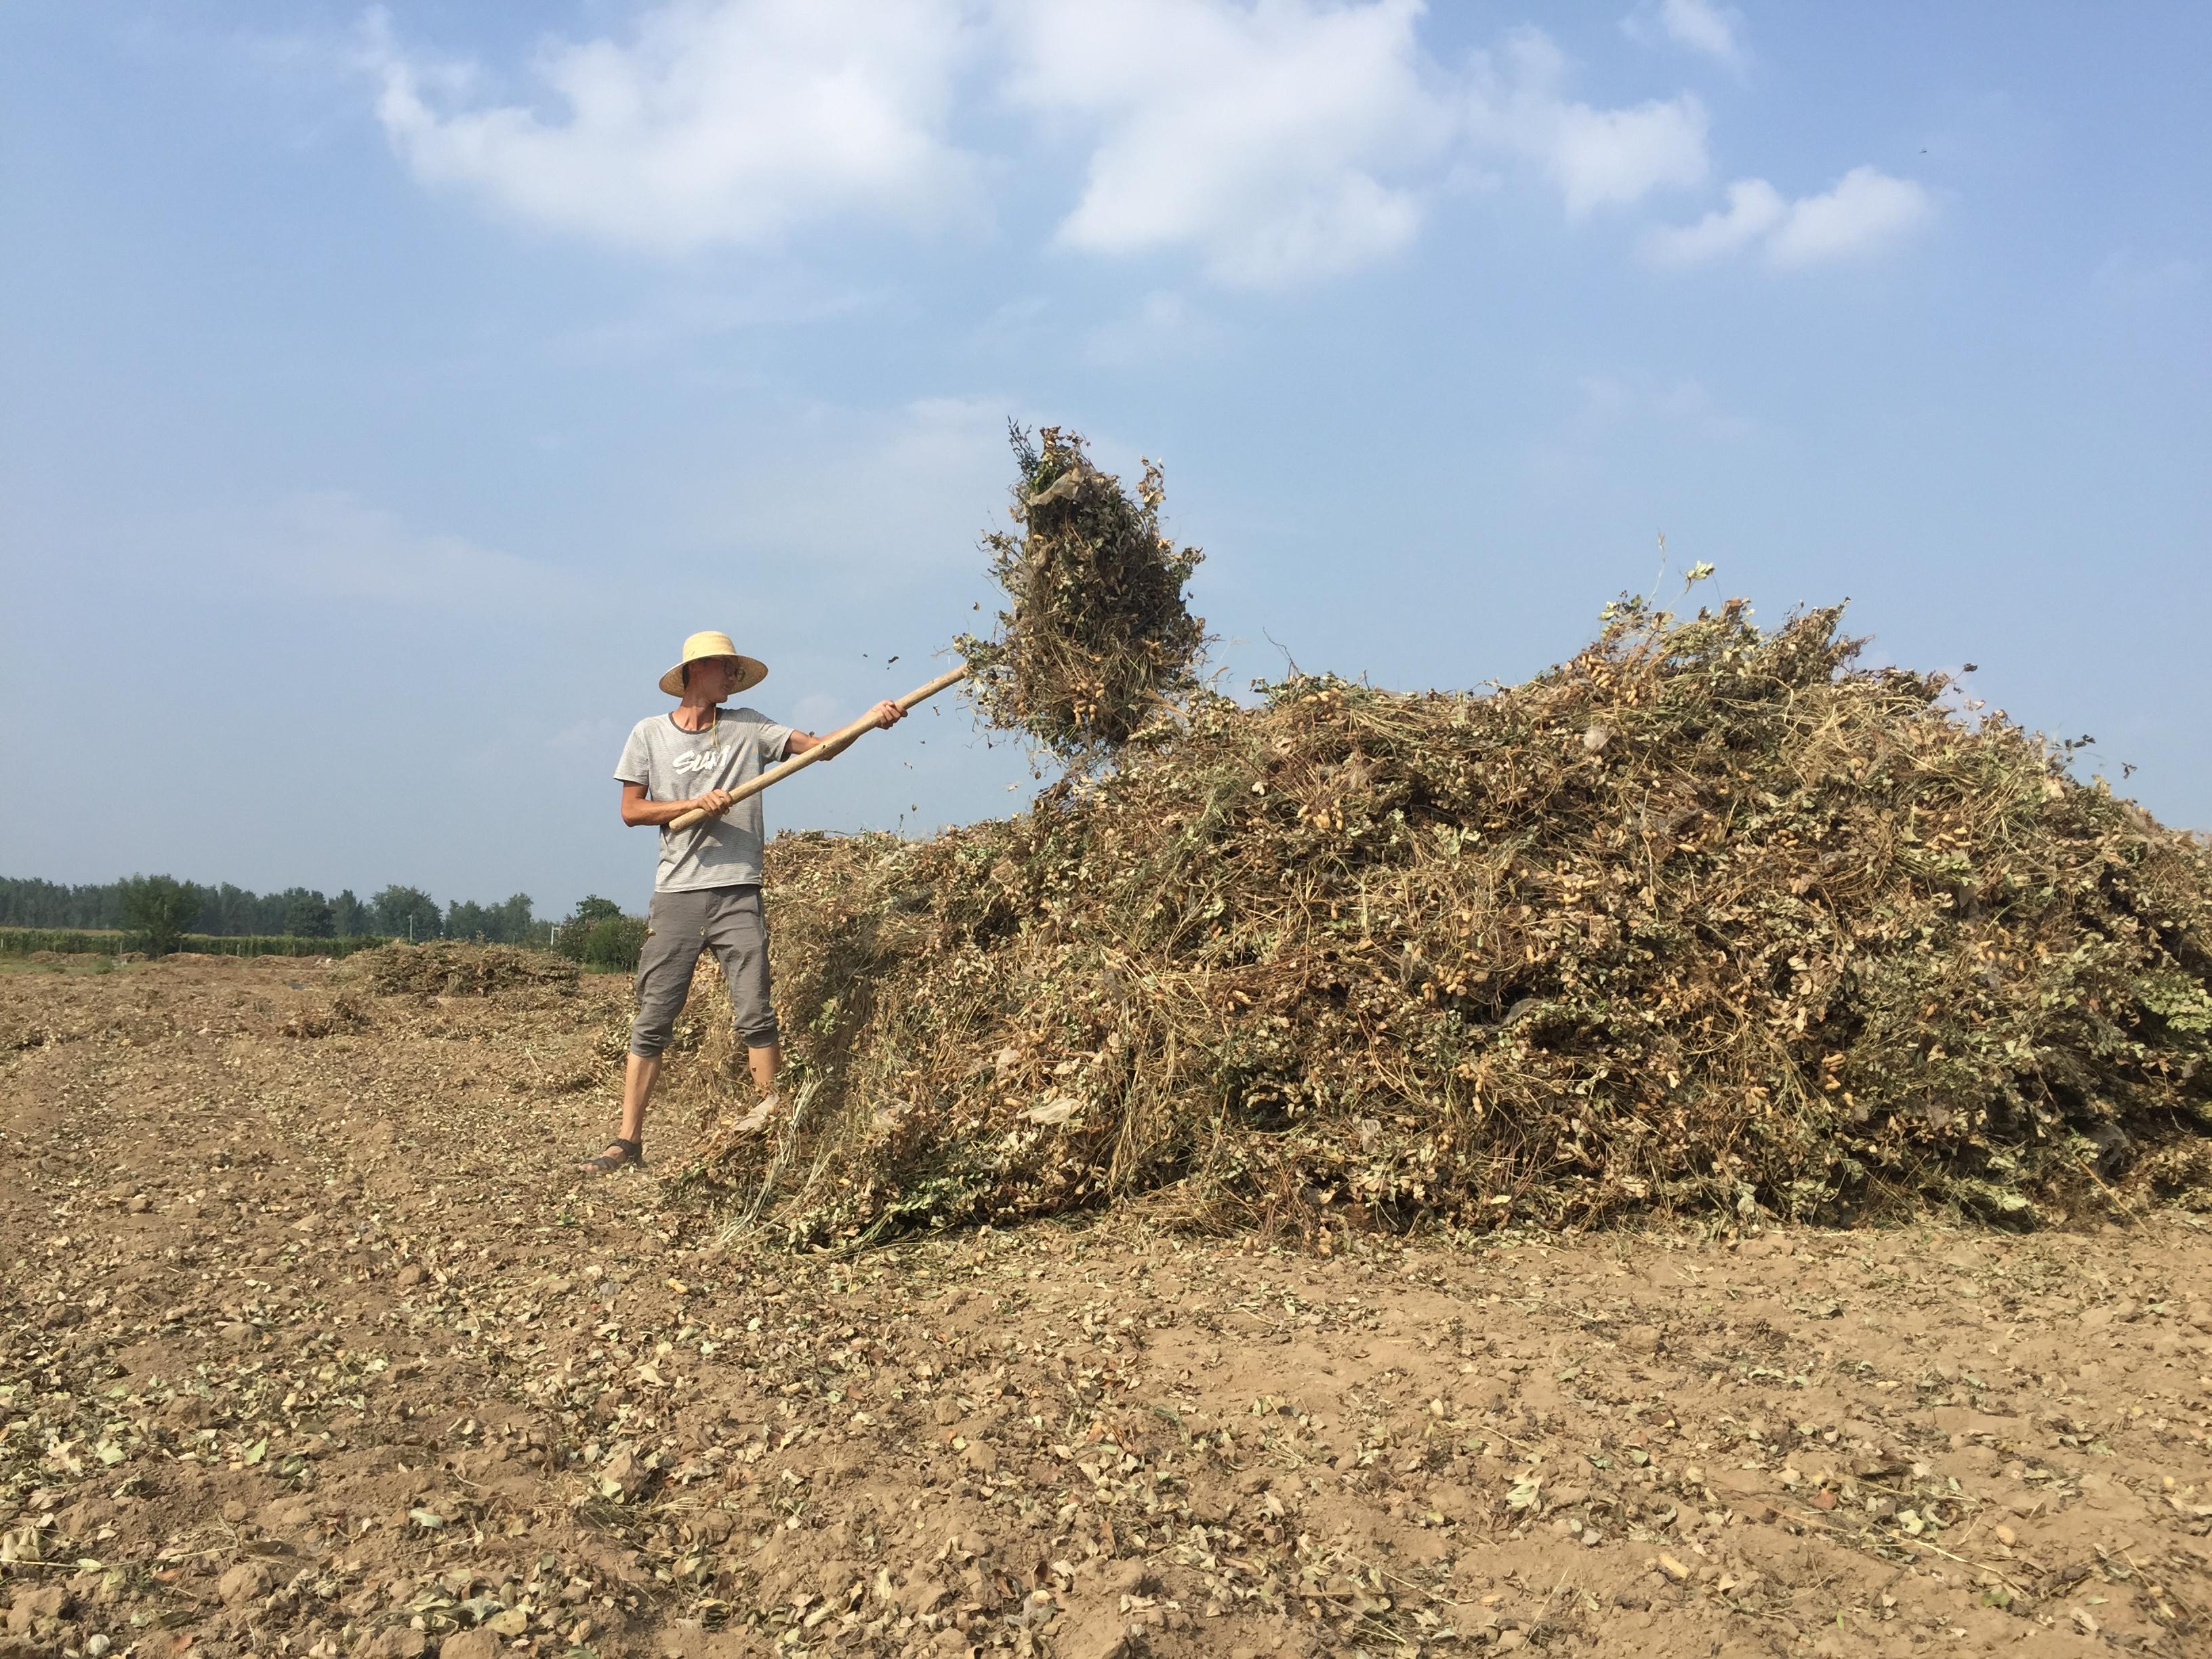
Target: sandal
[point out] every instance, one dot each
(633, 1151)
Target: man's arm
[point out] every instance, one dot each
(637, 810)
(887, 713)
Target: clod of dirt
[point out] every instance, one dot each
(247, 1582)
(1797, 938)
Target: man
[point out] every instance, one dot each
(706, 893)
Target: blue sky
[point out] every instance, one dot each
(388, 392)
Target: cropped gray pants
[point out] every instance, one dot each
(729, 921)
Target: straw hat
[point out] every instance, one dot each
(704, 647)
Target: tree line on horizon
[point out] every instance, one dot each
(225, 911)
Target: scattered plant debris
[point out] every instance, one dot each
(322, 1348)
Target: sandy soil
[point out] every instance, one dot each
(310, 1344)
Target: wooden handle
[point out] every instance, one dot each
(832, 745)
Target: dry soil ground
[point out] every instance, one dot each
(310, 1344)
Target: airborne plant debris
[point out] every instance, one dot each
(1096, 642)
(1708, 919)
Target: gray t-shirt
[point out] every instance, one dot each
(674, 765)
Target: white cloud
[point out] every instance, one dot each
(719, 122)
(1699, 25)
(1754, 207)
(1596, 157)
(1865, 213)
(1611, 157)
(1703, 27)
(1282, 141)
(1295, 139)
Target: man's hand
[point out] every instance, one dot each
(886, 714)
(713, 802)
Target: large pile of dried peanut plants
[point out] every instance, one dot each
(1710, 918)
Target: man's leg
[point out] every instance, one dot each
(739, 937)
(639, 1076)
(675, 933)
(764, 1061)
